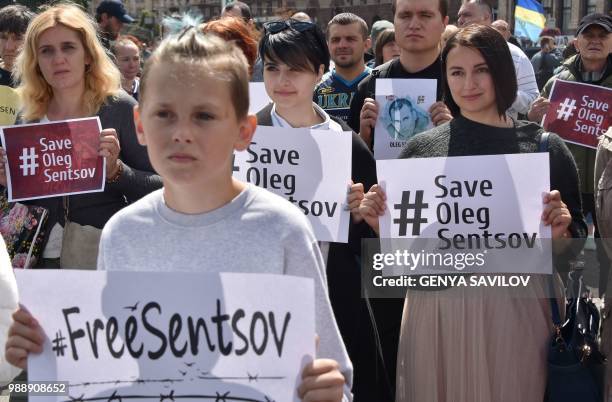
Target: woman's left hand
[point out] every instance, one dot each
(109, 148)
(353, 200)
(556, 215)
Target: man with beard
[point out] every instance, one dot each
(347, 39)
(110, 16)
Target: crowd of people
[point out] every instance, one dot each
(172, 119)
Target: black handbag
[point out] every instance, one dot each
(576, 367)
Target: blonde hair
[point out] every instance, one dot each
(221, 59)
(102, 78)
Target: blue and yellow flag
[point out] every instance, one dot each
(529, 19)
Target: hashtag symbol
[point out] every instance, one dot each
(58, 344)
(404, 207)
(566, 109)
(29, 165)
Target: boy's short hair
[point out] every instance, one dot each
(348, 19)
(15, 19)
(304, 49)
(221, 58)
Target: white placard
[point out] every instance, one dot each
(403, 112)
(258, 97)
(489, 203)
(310, 168)
(167, 336)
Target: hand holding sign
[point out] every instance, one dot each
(538, 109)
(109, 149)
(367, 120)
(556, 214)
(354, 198)
(373, 206)
(321, 381)
(25, 337)
(439, 113)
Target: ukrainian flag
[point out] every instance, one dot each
(529, 19)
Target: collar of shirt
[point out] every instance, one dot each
(349, 84)
(327, 124)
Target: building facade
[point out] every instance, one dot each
(263, 10)
(562, 14)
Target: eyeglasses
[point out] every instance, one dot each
(279, 26)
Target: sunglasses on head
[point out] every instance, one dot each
(279, 26)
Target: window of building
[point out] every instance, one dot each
(566, 15)
(547, 5)
(591, 6)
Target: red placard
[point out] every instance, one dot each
(53, 159)
(578, 112)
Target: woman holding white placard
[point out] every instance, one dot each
(481, 345)
(295, 57)
(65, 73)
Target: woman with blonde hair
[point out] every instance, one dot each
(65, 73)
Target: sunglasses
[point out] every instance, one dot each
(279, 26)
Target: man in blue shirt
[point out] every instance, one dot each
(348, 40)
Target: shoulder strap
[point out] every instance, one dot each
(342, 123)
(381, 71)
(264, 116)
(543, 145)
(554, 307)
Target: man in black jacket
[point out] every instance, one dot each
(418, 28)
(110, 16)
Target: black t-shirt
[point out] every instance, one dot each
(392, 69)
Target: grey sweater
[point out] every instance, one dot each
(255, 232)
